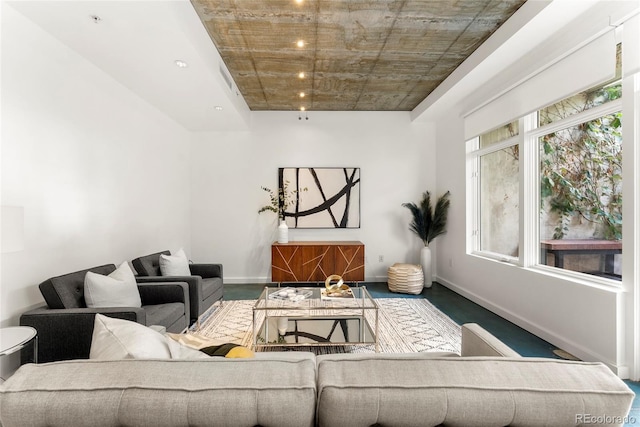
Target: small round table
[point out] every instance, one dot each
(15, 338)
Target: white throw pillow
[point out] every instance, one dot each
(175, 265)
(118, 289)
(115, 339)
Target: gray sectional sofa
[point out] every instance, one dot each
(489, 385)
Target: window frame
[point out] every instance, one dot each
(529, 192)
(474, 154)
(532, 134)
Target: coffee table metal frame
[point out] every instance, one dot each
(362, 310)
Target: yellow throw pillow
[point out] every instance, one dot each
(228, 350)
(240, 353)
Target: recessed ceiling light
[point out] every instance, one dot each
(299, 1)
(300, 43)
(301, 75)
(181, 64)
(218, 108)
(301, 94)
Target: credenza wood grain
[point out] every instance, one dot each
(314, 261)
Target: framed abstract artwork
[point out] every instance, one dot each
(321, 197)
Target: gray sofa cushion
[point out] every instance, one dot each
(67, 291)
(149, 265)
(465, 391)
(386, 356)
(210, 285)
(217, 391)
(164, 314)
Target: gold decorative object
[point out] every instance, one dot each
(337, 290)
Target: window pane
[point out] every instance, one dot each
(500, 134)
(581, 197)
(586, 100)
(499, 199)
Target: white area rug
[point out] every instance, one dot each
(405, 326)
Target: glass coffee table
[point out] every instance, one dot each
(294, 317)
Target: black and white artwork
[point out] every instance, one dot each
(321, 197)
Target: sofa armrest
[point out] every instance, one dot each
(154, 292)
(190, 280)
(66, 333)
(206, 270)
(476, 341)
(193, 286)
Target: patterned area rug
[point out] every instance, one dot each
(405, 326)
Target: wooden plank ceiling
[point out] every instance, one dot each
(371, 55)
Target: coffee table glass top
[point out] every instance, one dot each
(305, 317)
(312, 298)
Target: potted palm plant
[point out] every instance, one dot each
(428, 224)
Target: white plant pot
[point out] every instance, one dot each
(283, 324)
(283, 232)
(425, 262)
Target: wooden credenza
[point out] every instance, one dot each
(315, 261)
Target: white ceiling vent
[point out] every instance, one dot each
(226, 77)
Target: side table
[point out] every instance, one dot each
(15, 338)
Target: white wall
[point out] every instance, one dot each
(578, 318)
(396, 161)
(102, 176)
(585, 319)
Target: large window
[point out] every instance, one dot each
(580, 155)
(574, 147)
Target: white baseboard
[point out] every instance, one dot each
(559, 341)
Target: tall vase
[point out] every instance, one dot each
(283, 232)
(425, 262)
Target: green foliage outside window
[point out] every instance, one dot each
(581, 166)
